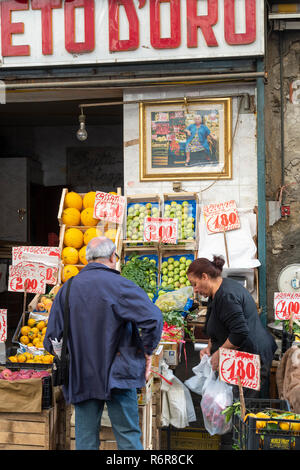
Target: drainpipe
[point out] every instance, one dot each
(281, 105)
(261, 188)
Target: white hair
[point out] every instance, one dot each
(99, 247)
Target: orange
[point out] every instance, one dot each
(44, 331)
(69, 255)
(21, 358)
(89, 199)
(73, 238)
(31, 322)
(73, 200)
(71, 216)
(69, 271)
(25, 330)
(24, 339)
(41, 325)
(90, 233)
(13, 359)
(87, 218)
(82, 255)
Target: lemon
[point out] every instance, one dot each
(249, 414)
(89, 199)
(87, 218)
(69, 271)
(21, 358)
(71, 216)
(13, 359)
(261, 424)
(89, 234)
(73, 200)
(73, 237)
(24, 339)
(82, 257)
(69, 255)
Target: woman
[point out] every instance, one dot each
(232, 320)
(197, 141)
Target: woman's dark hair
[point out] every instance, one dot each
(203, 265)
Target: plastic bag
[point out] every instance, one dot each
(175, 300)
(202, 372)
(217, 395)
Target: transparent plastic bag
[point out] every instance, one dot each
(217, 395)
(174, 300)
(202, 372)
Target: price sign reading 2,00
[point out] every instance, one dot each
(235, 365)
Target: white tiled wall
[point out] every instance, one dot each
(243, 185)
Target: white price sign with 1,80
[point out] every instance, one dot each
(157, 229)
(3, 325)
(221, 217)
(286, 305)
(234, 364)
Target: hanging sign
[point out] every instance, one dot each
(109, 207)
(47, 256)
(157, 229)
(235, 364)
(29, 278)
(220, 217)
(287, 304)
(3, 325)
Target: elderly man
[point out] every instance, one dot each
(114, 328)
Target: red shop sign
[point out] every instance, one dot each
(3, 325)
(234, 364)
(287, 304)
(109, 207)
(157, 229)
(221, 216)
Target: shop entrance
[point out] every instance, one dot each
(40, 155)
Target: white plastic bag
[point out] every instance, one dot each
(174, 300)
(216, 396)
(202, 372)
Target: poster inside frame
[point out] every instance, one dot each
(186, 140)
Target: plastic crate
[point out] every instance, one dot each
(247, 437)
(23, 365)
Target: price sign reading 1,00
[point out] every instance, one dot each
(235, 365)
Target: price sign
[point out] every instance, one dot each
(3, 325)
(234, 364)
(109, 207)
(41, 256)
(287, 304)
(31, 278)
(157, 229)
(221, 216)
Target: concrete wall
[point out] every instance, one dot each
(243, 185)
(283, 237)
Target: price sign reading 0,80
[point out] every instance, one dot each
(238, 364)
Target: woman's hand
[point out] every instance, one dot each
(204, 351)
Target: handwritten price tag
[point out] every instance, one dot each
(30, 277)
(109, 207)
(48, 256)
(3, 325)
(157, 229)
(286, 304)
(234, 364)
(221, 216)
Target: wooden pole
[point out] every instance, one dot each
(226, 247)
(24, 304)
(242, 400)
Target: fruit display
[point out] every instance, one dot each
(136, 213)
(143, 271)
(23, 374)
(173, 271)
(174, 301)
(185, 212)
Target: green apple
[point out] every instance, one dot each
(164, 264)
(171, 261)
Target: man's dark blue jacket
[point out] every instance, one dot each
(113, 323)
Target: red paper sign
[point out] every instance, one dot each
(109, 207)
(31, 278)
(3, 325)
(48, 256)
(287, 304)
(157, 229)
(234, 364)
(221, 216)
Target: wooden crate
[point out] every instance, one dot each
(139, 199)
(184, 244)
(28, 431)
(156, 413)
(176, 252)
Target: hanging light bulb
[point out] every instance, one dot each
(81, 134)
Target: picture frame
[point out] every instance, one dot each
(184, 139)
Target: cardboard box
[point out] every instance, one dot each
(157, 358)
(171, 352)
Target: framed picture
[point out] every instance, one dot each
(182, 140)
